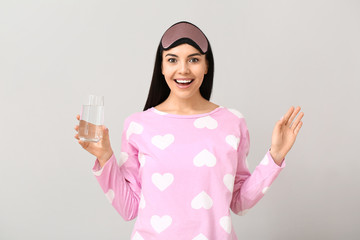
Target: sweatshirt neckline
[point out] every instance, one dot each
(165, 114)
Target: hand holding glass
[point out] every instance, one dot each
(92, 120)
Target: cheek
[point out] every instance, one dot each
(201, 71)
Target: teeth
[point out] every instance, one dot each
(183, 81)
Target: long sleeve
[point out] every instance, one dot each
(119, 179)
(250, 188)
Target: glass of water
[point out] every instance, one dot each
(92, 119)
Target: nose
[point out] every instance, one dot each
(183, 67)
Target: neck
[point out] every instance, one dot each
(185, 105)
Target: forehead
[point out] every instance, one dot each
(183, 49)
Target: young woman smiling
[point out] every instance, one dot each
(183, 161)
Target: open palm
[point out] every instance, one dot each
(284, 134)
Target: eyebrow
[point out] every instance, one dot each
(173, 55)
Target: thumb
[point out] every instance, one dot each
(279, 124)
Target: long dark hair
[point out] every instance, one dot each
(159, 90)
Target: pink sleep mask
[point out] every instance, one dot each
(183, 31)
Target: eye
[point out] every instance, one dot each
(171, 60)
(194, 60)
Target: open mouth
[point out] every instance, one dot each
(184, 82)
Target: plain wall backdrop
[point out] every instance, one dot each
(269, 55)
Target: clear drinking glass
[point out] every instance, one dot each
(92, 119)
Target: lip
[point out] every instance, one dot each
(183, 86)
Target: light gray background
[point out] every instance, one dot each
(269, 55)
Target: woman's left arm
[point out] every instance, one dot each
(250, 188)
(284, 134)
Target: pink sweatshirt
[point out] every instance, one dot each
(181, 174)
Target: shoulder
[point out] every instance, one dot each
(233, 113)
(137, 116)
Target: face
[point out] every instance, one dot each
(184, 68)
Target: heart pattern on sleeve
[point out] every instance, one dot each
(233, 141)
(110, 195)
(124, 156)
(236, 112)
(265, 161)
(99, 172)
(134, 128)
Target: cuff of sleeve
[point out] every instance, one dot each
(97, 169)
(273, 163)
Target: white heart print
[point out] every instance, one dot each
(163, 142)
(142, 202)
(206, 122)
(200, 237)
(202, 200)
(204, 158)
(233, 141)
(236, 112)
(134, 128)
(229, 181)
(98, 173)
(160, 223)
(123, 158)
(137, 236)
(225, 223)
(265, 189)
(142, 159)
(162, 181)
(264, 161)
(110, 195)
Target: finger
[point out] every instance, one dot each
(297, 129)
(76, 128)
(288, 114)
(297, 120)
(279, 124)
(78, 117)
(77, 136)
(83, 144)
(105, 133)
(293, 115)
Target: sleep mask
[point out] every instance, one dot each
(184, 32)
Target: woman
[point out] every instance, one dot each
(183, 159)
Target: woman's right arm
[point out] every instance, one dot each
(117, 178)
